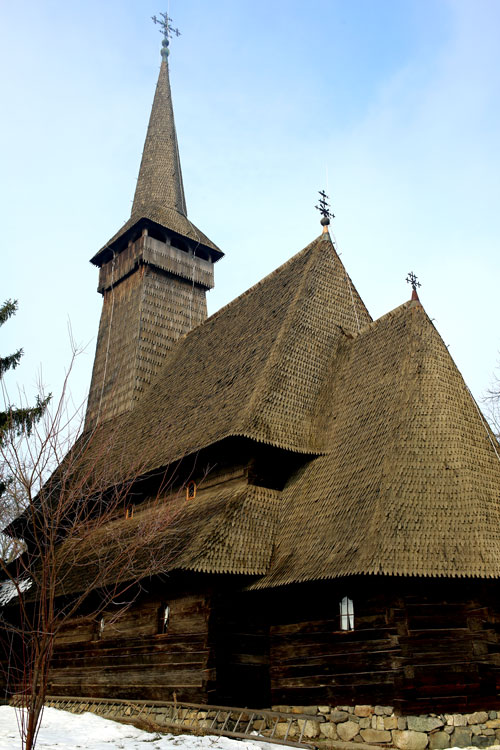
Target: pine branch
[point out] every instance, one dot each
(10, 362)
(8, 309)
(22, 420)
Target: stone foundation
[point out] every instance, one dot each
(321, 727)
(380, 725)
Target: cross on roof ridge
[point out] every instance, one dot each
(324, 209)
(412, 279)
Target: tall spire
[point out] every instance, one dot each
(159, 184)
(159, 203)
(154, 272)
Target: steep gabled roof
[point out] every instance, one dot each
(255, 369)
(403, 474)
(411, 481)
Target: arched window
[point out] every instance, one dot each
(190, 490)
(346, 614)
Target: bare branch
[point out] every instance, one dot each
(76, 546)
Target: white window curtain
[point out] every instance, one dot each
(346, 614)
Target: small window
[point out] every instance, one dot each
(164, 618)
(100, 628)
(191, 491)
(346, 614)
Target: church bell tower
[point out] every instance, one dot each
(154, 273)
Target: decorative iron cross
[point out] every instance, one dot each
(324, 208)
(166, 27)
(412, 279)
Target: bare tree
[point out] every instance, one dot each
(11, 506)
(86, 543)
(492, 405)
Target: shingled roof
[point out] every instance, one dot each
(410, 484)
(255, 369)
(159, 194)
(222, 530)
(402, 474)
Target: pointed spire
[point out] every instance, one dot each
(159, 194)
(159, 184)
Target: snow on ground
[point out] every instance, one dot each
(62, 730)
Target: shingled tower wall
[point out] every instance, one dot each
(154, 273)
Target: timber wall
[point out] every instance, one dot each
(313, 661)
(130, 659)
(146, 308)
(417, 645)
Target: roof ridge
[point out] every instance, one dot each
(251, 289)
(176, 349)
(391, 313)
(276, 348)
(353, 292)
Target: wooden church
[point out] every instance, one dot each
(341, 542)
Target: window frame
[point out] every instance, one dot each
(164, 614)
(346, 607)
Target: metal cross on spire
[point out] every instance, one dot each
(324, 209)
(167, 30)
(412, 279)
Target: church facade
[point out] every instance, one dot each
(340, 541)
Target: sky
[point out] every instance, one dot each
(392, 106)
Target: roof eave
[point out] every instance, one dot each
(121, 239)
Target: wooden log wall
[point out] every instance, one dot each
(129, 658)
(420, 645)
(449, 646)
(314, 662)
(417, 645)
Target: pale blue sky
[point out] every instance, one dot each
(393, 105)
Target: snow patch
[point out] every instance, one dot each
(9, 589)
(62, 730)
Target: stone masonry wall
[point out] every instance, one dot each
(381, 725)
(321, 727)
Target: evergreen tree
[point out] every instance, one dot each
(12, 419)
